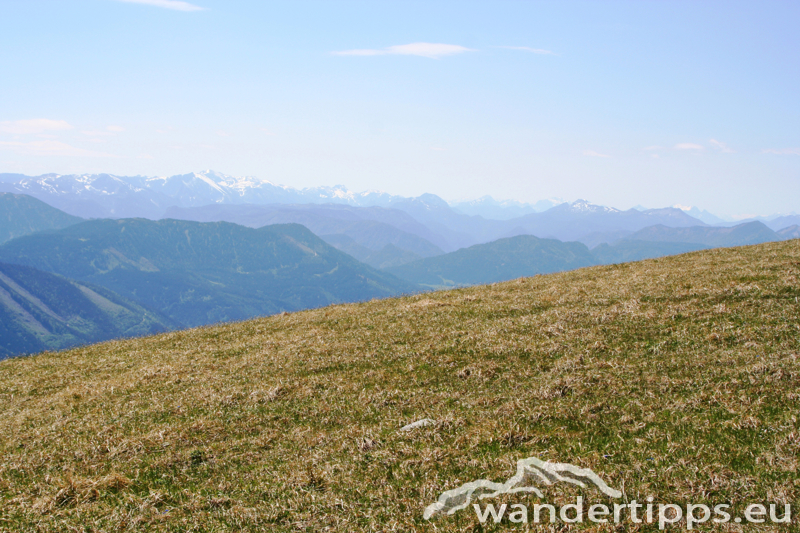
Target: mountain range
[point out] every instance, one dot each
(525, 255)
(109, 196)
(225, 261)
(202, 273)
(446, 227)
(370, 227)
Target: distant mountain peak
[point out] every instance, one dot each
(700, 214)
(432, 200)
(584, 206)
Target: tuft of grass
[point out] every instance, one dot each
(677, 378)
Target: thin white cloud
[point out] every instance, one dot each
(429, 50)
(109, 131)
(539, 51)
(651, 148)
(437, 148)
(176, 5)
(721, 146)
(781, 151)
(50, 148)
(689, 146)
(223, 133)
(592, 153)
(36, 125)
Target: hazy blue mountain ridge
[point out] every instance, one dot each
(201, 273)
(388, 256)
(488, 207)
(636, 250)
(782, 222)
(514, 257)
(713, 237)
(458, 230)
(371, 227)
(501, 260)
(791, 232)
(581, 219)
(21, 214)
(429, 217)
(704, 216)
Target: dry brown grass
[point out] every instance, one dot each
(677, 378)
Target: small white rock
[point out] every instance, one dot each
(418, 424)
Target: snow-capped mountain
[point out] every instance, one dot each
(585, 207)
(482, 220)
(90, 196)
(106, 195)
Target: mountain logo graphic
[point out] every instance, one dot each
(530, 472)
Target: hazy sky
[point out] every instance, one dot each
(622, 103)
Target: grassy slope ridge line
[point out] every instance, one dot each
(677, 378)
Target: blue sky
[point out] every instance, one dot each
(622, 103)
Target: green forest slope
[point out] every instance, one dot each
(200, 273)
(43, 311)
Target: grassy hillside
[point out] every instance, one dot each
(200, 273)
(676, 378)
(503, 259)
(21, 214)
(41, 311)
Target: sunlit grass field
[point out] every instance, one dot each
(676, 378)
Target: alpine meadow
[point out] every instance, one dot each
(677, 378)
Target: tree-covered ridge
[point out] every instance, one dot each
(201, 273)
(21, 214)
(43, 311)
